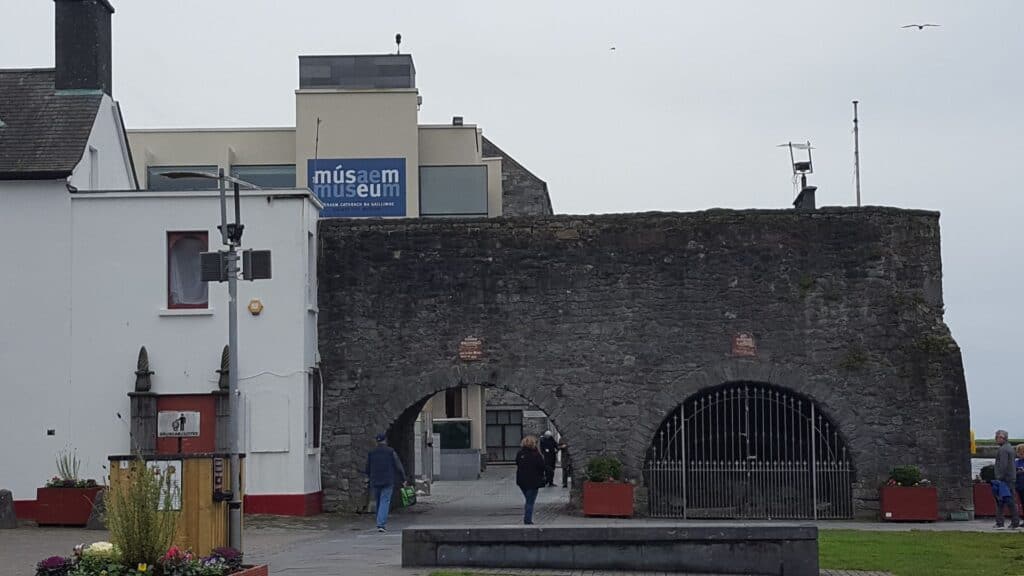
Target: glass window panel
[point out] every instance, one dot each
(492, 417)
(516, 417)
(185, 287)
(453, 191)
(502, 417)
(266, 176)
(513, 434)
(156, 181)
(510, 454)
(494, 436)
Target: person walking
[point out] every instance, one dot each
(549, 449)
(1005, 481)
(384, 468)
(530, 474)
(563, 449)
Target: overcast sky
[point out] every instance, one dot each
(685, 114)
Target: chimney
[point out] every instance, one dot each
(805, 199)
(83, 45)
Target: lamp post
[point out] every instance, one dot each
(231, 237)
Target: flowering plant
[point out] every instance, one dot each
(178, 562)
(54, 566)
(100, 550)
(104, 559)
(232, 558)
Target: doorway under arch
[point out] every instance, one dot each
(459, 446)
(749, 450)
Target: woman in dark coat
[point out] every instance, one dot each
(529, 474)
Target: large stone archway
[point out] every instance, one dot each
(608, 323)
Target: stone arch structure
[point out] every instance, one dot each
(830, 403)
(608, 323)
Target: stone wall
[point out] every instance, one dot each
(608, 323)
(522, 192)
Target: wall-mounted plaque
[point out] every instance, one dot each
(471, 349)
(743, 345)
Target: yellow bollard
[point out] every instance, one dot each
(974, 447)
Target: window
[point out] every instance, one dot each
(267, 176)
(185, 287)
(504, 433)
(453, 191)
(313, 409)
(453, 403)
(156, 181)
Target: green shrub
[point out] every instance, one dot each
(603, 468)
(905, 475)
(138, 528)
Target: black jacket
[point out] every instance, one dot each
(529, 469)
(549, 447)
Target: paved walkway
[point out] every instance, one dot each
(335, 544)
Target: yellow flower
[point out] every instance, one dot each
(142, 567)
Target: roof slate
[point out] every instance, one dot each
(44, 132)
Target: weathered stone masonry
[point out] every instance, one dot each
(607, 323)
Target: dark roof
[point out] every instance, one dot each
(43, 133)
(522, 192)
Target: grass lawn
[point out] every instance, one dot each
(915, 553)
(924, 553)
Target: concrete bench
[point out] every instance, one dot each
(763, 550)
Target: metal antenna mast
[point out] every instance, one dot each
(856, 150)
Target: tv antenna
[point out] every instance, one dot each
(801, 168)
(316, 142)
(398, 43)
(856, 150)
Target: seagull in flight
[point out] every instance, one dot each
(922, 26)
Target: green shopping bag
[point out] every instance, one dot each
(407, 495)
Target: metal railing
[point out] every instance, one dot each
(748, 451)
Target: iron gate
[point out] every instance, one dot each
(748, 451)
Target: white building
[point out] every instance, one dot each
(97, 269)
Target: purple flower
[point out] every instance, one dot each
(53, 566)
(230, 556)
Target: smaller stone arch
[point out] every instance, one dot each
(358, 416)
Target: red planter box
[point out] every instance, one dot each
(261, 570)
(64, 506)
(608, 499)
(913, 504)
(984, 503)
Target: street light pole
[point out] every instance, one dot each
(234, 400)
(231, 237)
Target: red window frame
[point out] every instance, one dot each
(172, 239)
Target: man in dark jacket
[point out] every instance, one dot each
(549, 449)
(383, 467)
(1006, 473)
